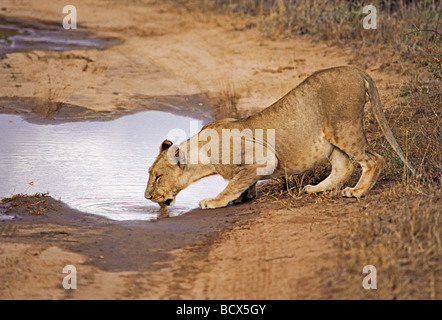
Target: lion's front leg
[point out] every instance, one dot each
(240, 183)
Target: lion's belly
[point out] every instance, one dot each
(303, 155)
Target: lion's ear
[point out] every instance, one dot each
(165, 145)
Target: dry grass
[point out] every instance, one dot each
(397, 229)
(406, 29)
(403, 241)
(417, 125)
(36, 204)
(51, 100)
(224, 103)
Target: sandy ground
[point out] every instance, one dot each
(166, 52)
(253, 251)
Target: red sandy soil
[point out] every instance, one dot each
(260, 250)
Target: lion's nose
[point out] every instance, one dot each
(148, 195)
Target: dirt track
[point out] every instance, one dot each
(275, 254)
(166, 52)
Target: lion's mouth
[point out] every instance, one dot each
(165, 203)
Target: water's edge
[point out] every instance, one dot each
(95, 167)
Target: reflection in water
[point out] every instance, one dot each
(96, 167)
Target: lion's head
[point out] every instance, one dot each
(166, 176)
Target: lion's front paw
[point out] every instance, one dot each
(210, 203)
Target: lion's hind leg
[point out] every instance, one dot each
(372, 164)
(355, 145)
(342, 168)
(248, 195)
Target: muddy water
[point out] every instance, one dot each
(96, 167)
(23, 35)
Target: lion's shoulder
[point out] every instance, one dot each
(218, 123)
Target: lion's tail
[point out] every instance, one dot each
(376, 106)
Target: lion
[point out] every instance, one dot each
(319, 120)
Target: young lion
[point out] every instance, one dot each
(320, 119)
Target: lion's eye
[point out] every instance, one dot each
(157, 179)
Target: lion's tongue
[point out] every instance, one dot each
(161, 204)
